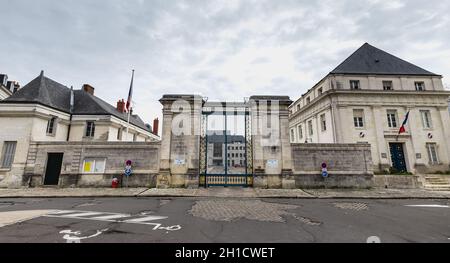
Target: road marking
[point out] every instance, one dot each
(373, 240)
(145, 219)
(113, 217)
(84, 214)
(74, 236)
(429, 206)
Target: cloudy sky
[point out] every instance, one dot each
(223, 50)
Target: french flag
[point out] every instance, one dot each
(130, 94)
(403, 129)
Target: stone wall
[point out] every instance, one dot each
(145, 157)
(349, 166)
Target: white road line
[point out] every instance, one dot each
(61, 212)
(145, 219)
(110, 217)
(429, 206)
(83, 214)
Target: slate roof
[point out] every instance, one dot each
(371, 60)
(48, 92)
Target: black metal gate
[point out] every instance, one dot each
(226, 159)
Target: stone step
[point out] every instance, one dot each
(438, 187)
(437, 182)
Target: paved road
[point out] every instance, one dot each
(222, 220)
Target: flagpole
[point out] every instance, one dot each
(129, 101)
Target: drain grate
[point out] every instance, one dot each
(351, 206)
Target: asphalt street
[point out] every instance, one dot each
(228, 220)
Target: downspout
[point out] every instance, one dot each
(71, 111)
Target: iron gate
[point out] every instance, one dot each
(228, 177)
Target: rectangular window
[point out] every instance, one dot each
(51, 126)
(300, 132)
(358, 118)
(323, 122)
(420, 85)
(339, 85)
(298, 107)
(354, 85)
(94, 165)
(308, 100)
(387, 85)
(90, 129)
(292, 135)
(310, 128)
(432, 153)
(9, 150)
(392, 118)
(426, 119)
(119, 134)
(217, 150)
(320, 91)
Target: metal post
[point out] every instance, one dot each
(246, 150)
(206, 152)
(226, 148)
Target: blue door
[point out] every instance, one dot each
(398, 157)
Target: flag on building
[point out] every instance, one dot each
(403, 129)
(130, 94)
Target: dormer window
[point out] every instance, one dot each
(387, 85)
(354, 85)
(51, 126)
(320, 91)
(298, 107)
(420, 85)
(308, 100)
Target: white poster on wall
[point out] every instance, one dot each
(272, 163)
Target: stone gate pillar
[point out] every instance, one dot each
(271, 144)
(179, 162)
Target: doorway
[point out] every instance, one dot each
(226, 157)
(398, 157)
(53, 168)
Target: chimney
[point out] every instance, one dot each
(155, 126)
(89, 89)
(121, 106)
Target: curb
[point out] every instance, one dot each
(240, 197)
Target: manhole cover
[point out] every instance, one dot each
(352, 206)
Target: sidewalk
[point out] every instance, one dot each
(226, 193)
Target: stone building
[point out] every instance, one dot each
(44, 112)
(366, 99)
(228, 149)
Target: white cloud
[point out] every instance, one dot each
(225, 50)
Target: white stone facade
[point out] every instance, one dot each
(27, 123)
(331, 112)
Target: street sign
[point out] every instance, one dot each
(324, 170)
(128, 170)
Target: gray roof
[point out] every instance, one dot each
(371, 60)
(50, 93)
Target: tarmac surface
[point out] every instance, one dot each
(223, 219)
